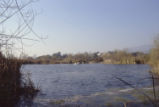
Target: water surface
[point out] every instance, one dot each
(66, 80)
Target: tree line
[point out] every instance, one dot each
(112, 57)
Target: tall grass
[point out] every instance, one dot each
(12, 89)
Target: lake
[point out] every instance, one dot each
(67, 81)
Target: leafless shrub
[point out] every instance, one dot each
(16, 21)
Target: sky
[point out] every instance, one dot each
(73, 26)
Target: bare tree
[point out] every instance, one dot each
(16, 21)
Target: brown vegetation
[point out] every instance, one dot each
(12, 89)
(114, 57)
(154, 56)
(18, 14)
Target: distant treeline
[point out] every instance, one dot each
(113, 57)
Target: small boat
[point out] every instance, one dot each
(76, 63)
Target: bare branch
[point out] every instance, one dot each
(11, 10)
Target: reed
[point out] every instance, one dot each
(12, 88)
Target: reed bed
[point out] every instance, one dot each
(12, 89)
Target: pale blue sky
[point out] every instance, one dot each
(94, 25)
